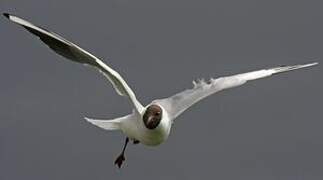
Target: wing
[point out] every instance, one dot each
(73, 52)
(178, 103)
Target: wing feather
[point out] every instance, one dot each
(178, 103)
(73, 52)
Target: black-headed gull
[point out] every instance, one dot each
(149, 125)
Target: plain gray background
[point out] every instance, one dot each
(267, 129)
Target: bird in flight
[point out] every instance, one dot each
(150, 124)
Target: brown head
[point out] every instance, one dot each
(152, 116)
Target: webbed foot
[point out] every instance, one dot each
(119, 160)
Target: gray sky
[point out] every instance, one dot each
(267, 129)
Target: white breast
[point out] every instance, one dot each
(135, 129)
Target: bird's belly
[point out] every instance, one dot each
(157, 136)
(153, 137)
(149, 137)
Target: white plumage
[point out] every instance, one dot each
(151, 124)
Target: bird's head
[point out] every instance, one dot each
(152, 116)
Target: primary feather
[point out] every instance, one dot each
(178, 103)
(73, 52)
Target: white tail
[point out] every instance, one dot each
(112, 124)
(105, 124)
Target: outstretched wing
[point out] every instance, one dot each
(73, 52)
(178, 103)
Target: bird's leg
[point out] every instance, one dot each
(135, 141)
(121, 157)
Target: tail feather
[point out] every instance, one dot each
(105, 124)
(112, 124)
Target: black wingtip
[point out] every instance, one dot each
(6, 15)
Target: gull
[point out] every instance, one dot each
(150, 124)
